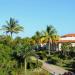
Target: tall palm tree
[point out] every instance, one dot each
(12, 26)
(48, 34)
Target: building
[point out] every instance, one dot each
(56, 46)
(65, 39)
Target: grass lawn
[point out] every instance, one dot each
(38, 72)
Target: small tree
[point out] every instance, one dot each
(66, 48)
(21, 55)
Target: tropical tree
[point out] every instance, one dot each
(5, 40)
(12, 26)
(26, 40)
(5, 59)
(21, 55)
(28, 52)
(49, 33)
(65, 47)
(37, 38)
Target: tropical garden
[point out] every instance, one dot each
(21, 56)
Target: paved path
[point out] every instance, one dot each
(52, 68)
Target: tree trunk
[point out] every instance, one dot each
(11, 34)
(49, 47)
(21, 68)
(25, 65)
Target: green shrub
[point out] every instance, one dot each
(73, 64)
(34, 64)
(41, 72)
(54, 60)
(41, 54)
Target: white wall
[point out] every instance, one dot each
(59, 46)
(73, 44)
(67, 38)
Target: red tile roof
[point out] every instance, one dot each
(69, 35)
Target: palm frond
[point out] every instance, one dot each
(12, 26)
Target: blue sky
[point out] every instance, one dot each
(35, 15)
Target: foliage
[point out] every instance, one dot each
(66, 46)
(38, 72)
(5, 52)
(73, 64)
(60, 60)
(12, 26)
(49, 34)
(53, 60)
(34, 64)
(15, 54)
(41, 54)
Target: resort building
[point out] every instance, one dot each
(57, 45)
(68, 38)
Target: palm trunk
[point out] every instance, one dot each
(21, 68)
(25, 65)
(11, 34)
(49, 47)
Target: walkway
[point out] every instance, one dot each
(52, 68)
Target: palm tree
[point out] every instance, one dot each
(27, 51)
(37, 38)
(48, 34)
(21, 55)
(12, 26)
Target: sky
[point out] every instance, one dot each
(35, 15)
